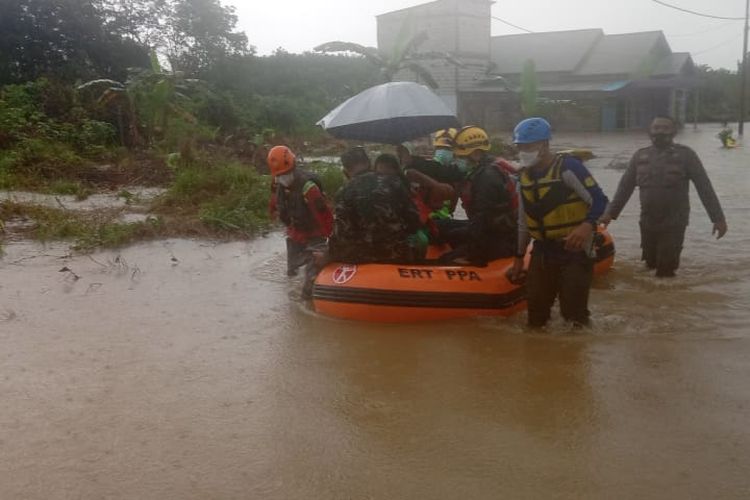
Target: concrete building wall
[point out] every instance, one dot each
(500, 112)
(460, 28)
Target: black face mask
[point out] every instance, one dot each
(661, 140)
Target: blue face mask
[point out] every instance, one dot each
(443, 156)
(463, 164)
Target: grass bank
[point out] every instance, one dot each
(224, 201)
(87, 230)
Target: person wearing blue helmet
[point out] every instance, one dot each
(559, 206)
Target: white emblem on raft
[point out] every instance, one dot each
(343, 274)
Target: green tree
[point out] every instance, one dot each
(200, 33)
(143, 21)
(719, 99)
(64, 39)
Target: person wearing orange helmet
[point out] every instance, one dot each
(301, 205)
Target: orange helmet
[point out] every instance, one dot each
(281, 160)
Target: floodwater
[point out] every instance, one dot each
(184, 369)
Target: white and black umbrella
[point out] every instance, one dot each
(390, 113)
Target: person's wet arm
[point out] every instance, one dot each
(577, 177)
(625, 189)
(317, 205)
(706, 193)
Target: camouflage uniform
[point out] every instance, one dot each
(375, 221)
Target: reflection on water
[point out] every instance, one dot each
(198, 377)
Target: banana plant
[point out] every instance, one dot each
(147, 100)
(115, 95)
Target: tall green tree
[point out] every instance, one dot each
(201, 33)
(143, 21)
(718, 93)
(64, 39)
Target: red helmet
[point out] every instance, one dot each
(281, 160)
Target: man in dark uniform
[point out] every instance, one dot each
(489, 199)
(375, 219)
(663, 173)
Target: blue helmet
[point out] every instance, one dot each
(532, 130)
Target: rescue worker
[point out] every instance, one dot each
(443, 144)
(559, 206)
(663, 172)
(301, 206)
(375, 219)
(489, 199)
(442, 173)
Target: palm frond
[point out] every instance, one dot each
(370, 53)
(110, 95)
(100, 82)
(404, 50)
(433, 55)
(423, 73)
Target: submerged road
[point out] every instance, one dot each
(183, 369)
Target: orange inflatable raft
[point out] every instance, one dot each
(392, 293)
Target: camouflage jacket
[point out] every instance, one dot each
(374, 218)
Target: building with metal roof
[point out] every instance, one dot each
(586, 79)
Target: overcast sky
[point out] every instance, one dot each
(300, 25)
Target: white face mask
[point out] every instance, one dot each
(286, 180)
(528, 158)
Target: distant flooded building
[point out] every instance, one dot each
(586, 80)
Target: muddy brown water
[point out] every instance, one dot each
(186, 369)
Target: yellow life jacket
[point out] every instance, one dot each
(552, 208)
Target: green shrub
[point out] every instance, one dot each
(46, 159)
(117, 234)
(88, 230)
(92, 138)
(7, 180)
(72, 188)
(231, 198)
(331, 176)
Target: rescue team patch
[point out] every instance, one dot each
(344, 274)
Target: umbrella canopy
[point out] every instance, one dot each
(390, 113)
